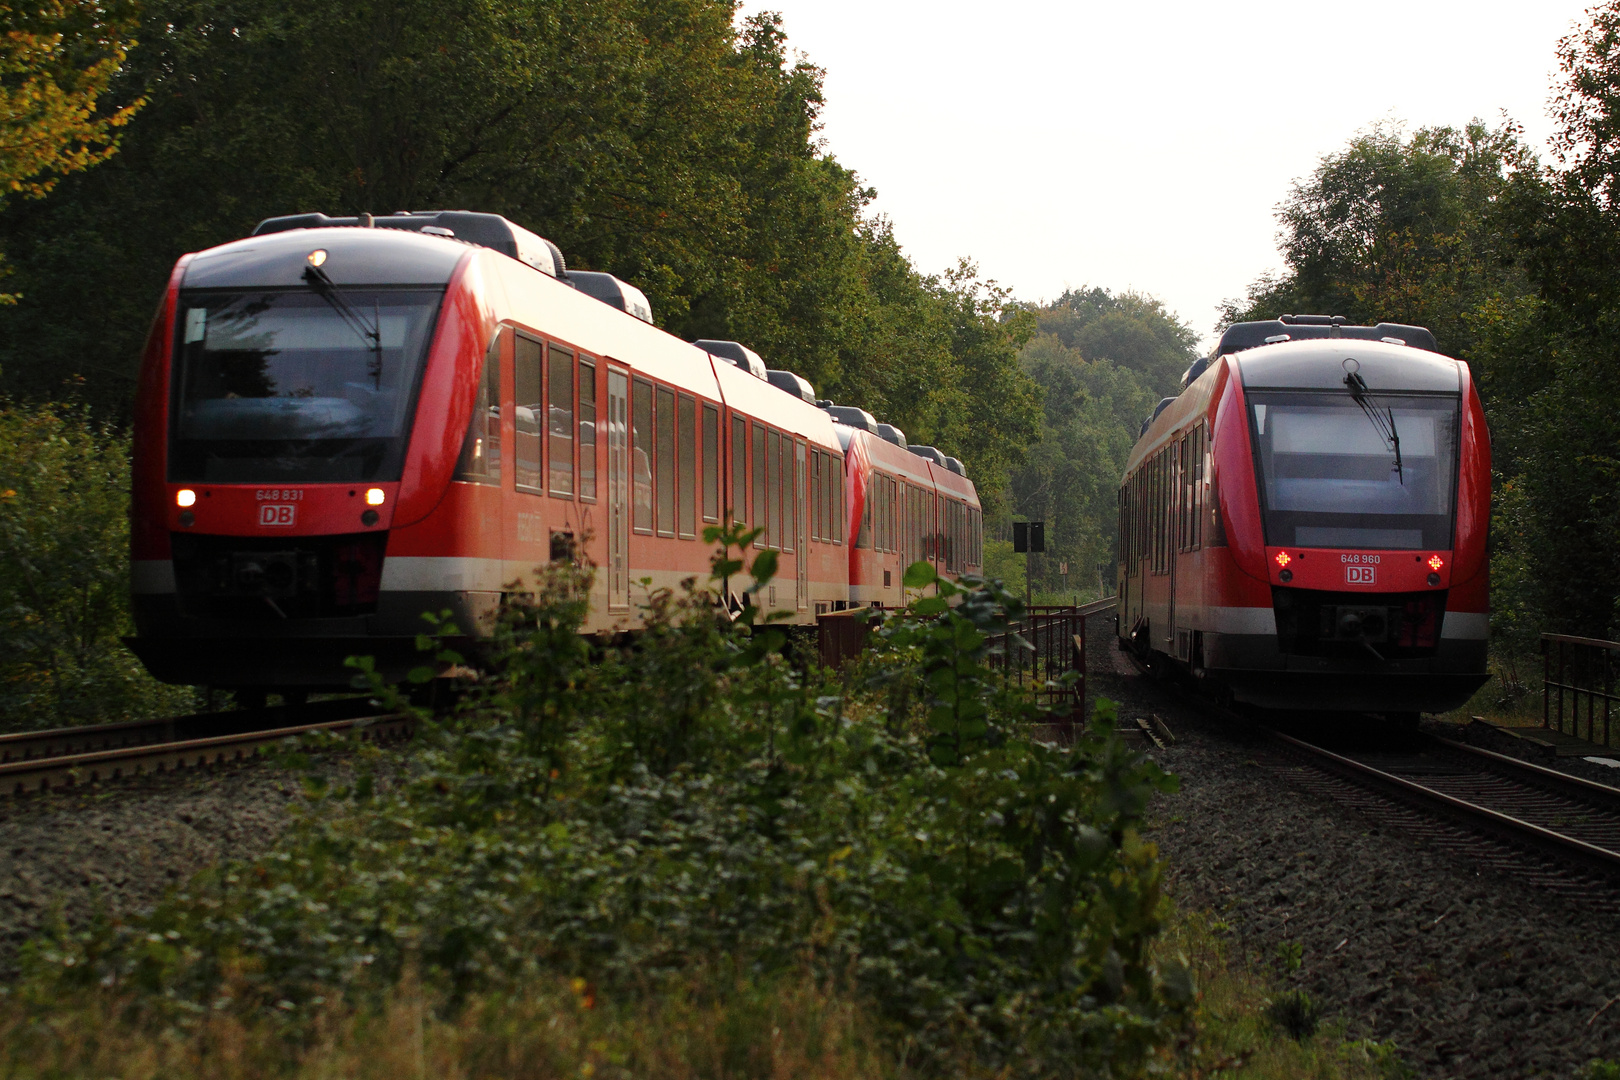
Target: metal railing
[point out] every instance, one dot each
(1577, 671)
(1057, 636)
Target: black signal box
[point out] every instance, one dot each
(1029, 536)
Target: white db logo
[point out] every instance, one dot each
(277, 514)
(1353, 575)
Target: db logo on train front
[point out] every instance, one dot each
(1353, 575)
(278, 514)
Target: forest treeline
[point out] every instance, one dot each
(653, 139)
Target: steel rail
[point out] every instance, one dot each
(1561, 783)
(56, 742)
(38, 774)
(1471, 815)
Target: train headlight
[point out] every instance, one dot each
(185, 497)
(316, 257)
(1436, 562)
(1283, 559)
(375, 497)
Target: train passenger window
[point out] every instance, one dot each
(815, 494)
(863, 538)
(739, 470)
(711, 462)
(839, 505)
(686, 483)
(481, 450)
(788, 486)
(560, 446)
(773, 490)
(664, 422)
(641, 456)
(761, 517)
(587, 431)
(528, 402)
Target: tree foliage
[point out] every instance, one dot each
(57, 58)
(651, 138)
(1102, 361)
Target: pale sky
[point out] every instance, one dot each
(1143, 145)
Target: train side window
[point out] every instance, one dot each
(863, 538)
(761, 517)
(790, 503)
(587, 430)
(481, 450)
(528, 399)
(641, 425)
(664, 424)
(739, 470)
(1201, 436)
(711, 462)
(840, 511)
(773, 490)
(686, 440)
(815, 494)
(560, 411)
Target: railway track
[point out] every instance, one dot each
(38, 761)
(1569, 823)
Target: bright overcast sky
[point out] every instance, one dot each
(1143, 145)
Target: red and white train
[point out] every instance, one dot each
(343, 423)
(1304, 526)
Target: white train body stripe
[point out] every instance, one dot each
(1466, 626)
(411, 573)
(1244, 620)
(151, 576)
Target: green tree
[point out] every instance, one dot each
(1102, 362)
(655, 140)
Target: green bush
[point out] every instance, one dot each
(64, 575)
(630, 814)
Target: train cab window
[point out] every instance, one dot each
(560, 409)
(761, 516)
(587, 431)
(739, 470)
(481, 450)
(528, 402)
(301, 386)
(641, 456)
(664, 423)
(1330, 474)
(686, 439)
(711, 462)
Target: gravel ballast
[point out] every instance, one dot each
(127, 842)
(1469, 971)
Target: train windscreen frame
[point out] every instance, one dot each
(297, 385)
(1329, 475)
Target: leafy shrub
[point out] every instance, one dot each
(627, 814)
(64, 575)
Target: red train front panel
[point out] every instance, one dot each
(1277, 546)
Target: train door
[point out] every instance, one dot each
(618, 417)
(802, 561)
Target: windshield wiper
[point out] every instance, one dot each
(370, 333)
(1384, 424)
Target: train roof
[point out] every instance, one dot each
(1252, 335)
(279, 259)
(1323, 364)
(485, 230)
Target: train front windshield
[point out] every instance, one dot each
(1331, 477)
(297, 386)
